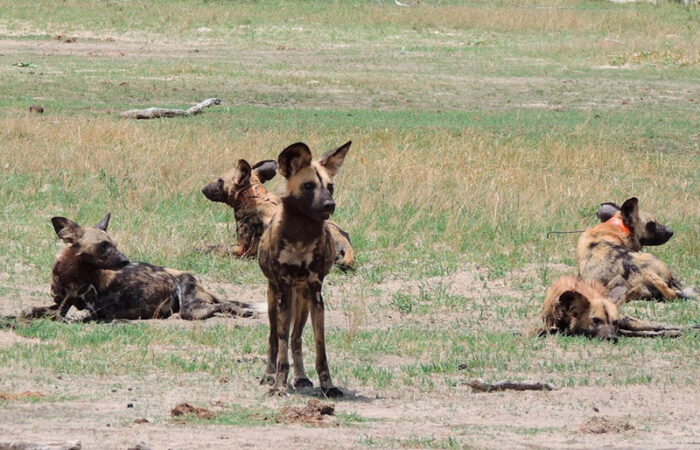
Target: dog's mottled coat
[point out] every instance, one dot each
(92, 275)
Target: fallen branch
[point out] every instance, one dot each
(158, 113)
(17, 445)
(482, 386)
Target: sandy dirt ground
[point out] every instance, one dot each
(109, 411)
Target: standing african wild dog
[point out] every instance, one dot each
(584, 307)
(296, 252)
(609, 253)
(242, 189)
(91, 274)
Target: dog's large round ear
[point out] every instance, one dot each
(242, 173)
(630, 212)
(607, 211)
(334, 159)
(265, 170)
(67, 230)
(574, 302)
(294, 158)
(618, 295)
(104, 223)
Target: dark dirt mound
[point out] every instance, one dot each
(603, 424)
(314, 413)
(184, 409)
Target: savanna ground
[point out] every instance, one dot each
(477, 127)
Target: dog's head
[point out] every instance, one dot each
(310, 182)
(644, 228)
(91, 245)
(229, 186)
(590, 309)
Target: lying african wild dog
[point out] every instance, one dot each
(296, 252)
(584, 307)
(91, 274)
(242, 189)
(610, 254)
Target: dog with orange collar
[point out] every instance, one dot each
(609, 253)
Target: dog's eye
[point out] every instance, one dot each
(104, 246)
(221, 184)
(310, 186)
(330, 188)
(616, 322)
(651, 227)
(596, 321)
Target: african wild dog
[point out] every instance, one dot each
(609, 253)
(296, 252)
(242, 189)
(91, 274)
(584, 307)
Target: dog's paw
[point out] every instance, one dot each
(332, 392)
(277, 392)
(302, 383)
(689, 292)
(268, 378)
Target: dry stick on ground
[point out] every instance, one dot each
(17, 445)
(157, 113)
(480, 385)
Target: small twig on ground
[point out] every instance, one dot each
(158, 113)
(480, 385)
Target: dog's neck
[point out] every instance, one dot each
(617, 222)
(298, 225)
(253, 190)
(73, 273)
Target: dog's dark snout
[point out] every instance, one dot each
(329, 207)
(123, 261)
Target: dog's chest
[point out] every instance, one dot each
(298, 254)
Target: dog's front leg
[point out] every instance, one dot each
(318, 322)
(37, 312)
(632, 324)
(300, 312)
(272, 300)
(284, 306)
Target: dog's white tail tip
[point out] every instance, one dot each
(259, 307)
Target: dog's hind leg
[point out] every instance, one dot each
(656, 287)
(300, 313)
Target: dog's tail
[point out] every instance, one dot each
(344, 253)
